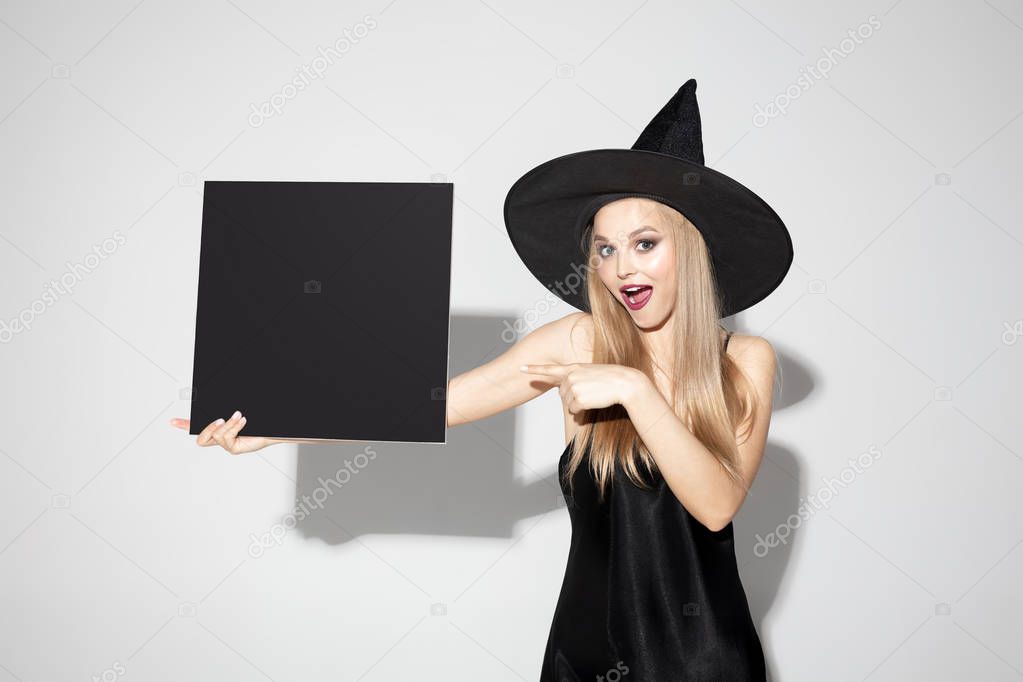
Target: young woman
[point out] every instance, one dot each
(666, 413)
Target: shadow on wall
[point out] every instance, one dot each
(766, 534)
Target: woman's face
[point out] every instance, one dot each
(632, 247)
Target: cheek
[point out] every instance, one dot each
(607, 274)
(660, 266)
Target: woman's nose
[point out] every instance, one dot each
(624, 265)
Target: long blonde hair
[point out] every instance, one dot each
(707, 386)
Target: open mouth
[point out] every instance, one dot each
(636, 296)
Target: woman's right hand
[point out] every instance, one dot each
(225, 434)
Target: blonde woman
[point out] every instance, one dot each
(666, 412)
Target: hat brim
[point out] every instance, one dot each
(547, 208)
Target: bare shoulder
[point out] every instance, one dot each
(576, 330)
(567, 339)
(564, 340)
(756, 357)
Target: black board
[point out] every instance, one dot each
(323, 309)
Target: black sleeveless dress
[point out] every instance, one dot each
(649, 594)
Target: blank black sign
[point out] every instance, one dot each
(323, 309)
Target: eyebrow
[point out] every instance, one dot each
(600, 238)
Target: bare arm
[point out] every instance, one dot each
(499, 385)
(690, 469)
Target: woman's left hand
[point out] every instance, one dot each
(589, 386)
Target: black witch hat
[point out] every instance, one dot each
(548, 207)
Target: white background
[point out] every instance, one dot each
(125, 549)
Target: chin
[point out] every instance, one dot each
(647, 319)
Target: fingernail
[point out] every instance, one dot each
(242, 420)
(219, 421)
(236, 414)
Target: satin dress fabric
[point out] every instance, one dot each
(650, 594)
